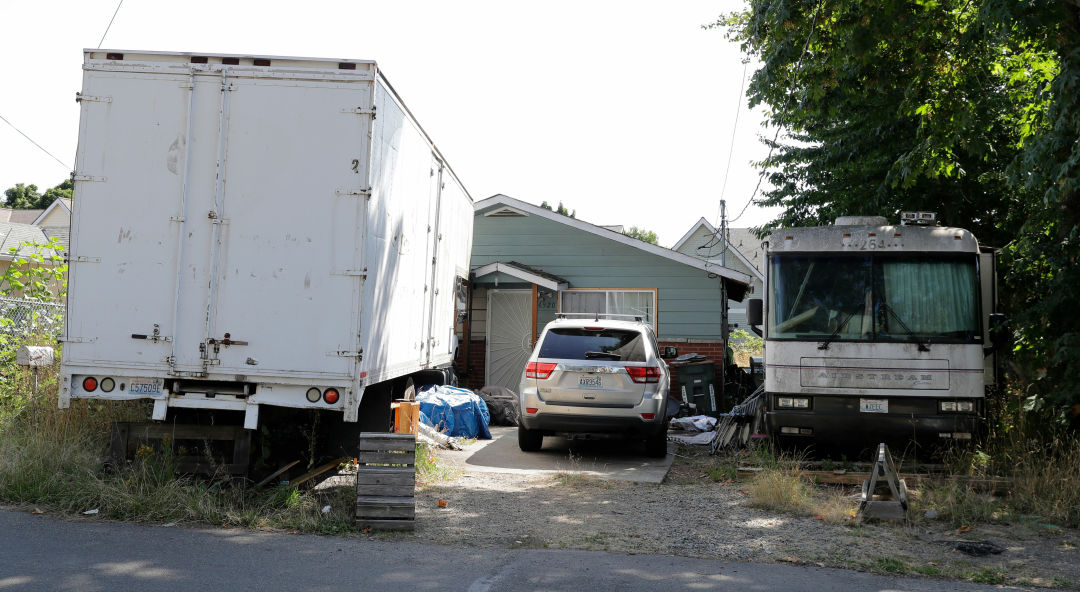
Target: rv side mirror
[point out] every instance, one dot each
(754, 311)
(999, 337)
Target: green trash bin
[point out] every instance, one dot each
(697, 384)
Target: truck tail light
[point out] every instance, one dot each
(330, 395)
(89, 384)
(643, 373)
(107, 385)
(541, 370)
(313, 394)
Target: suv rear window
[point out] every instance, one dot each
(582, 344)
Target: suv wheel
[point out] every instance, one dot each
(529, 440)
(656, 445)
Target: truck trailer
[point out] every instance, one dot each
(264, 239)
(877, 333)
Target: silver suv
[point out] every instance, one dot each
(595, 375)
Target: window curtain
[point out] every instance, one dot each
(931, 296)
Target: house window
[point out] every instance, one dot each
(640, 303)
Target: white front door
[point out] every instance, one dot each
(509, 337)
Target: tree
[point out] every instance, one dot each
(560, 210)
(641, 234)
(968, 109)
(26, 197)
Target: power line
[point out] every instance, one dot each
(727, 169)
(787, 102)
(35, 143)
(115, 12)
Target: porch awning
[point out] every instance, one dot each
(522, 272)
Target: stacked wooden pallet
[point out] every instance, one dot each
(386, 481)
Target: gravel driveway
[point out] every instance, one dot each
(690, 515)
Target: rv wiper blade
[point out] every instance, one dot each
(825, 344)
(923, 346)
(591, 355)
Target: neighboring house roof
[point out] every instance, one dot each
(14, 235)
(60, 233)
(736, 281)
(19, 216)
(63, 203)
(741, 242)
(524, 272)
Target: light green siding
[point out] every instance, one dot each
(689, 303)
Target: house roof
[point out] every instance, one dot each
(19, 216)
(741, 241)
(735, 281)
(524, 272)
(60, 202)
(13, 235)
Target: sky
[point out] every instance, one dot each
(624, 112)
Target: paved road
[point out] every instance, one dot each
(42, 553)
(605, 459)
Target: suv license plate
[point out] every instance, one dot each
(593, 381)
(874, 405)
(145, 386)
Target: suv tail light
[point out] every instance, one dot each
(643, 373)
(541, 370)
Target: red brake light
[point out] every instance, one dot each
(330, 395)
(541, 370)
(594, 328)
(643, 373)
(530, 410)
(89, 384)
(648, 415)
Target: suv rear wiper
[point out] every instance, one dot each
(592, 355)
(825, 344)
(923, 346)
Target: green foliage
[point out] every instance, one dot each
(560, 210)
(26, 197)
(33, 287)
(641, 234)
(968, 109)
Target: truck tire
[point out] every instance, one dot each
(529, 440)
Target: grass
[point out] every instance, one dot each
(50, 460)
(783, 487)
(1042, 476)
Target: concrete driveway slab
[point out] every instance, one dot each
(614, 459)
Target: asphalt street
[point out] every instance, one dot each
(43, 553)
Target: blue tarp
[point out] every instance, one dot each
(454, 411)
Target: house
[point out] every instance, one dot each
(55, 220)
(529, 263)
(743, 253)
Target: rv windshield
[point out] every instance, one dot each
(874, 298)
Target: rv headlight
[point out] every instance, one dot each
(793, 402)
(956, 406)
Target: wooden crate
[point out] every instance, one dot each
(386, 481)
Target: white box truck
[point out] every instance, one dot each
(258, 236)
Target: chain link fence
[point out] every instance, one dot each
(30, 317)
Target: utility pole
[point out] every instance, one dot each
(723, 233)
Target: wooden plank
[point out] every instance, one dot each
(386, 524)
(368, 511)
(395, 458)
(118, 442)
(383, 489)
(319, 470)
(402, 445)
(277, 473)
(381, 476)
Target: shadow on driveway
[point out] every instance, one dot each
(615, 459)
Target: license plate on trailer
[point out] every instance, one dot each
(874, 405)
(593, 381)
(145, 386)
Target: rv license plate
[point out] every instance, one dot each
(145, 386)
(591, 381)
(874, 405)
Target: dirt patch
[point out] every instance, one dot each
(699, 513)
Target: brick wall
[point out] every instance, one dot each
(712, 350)
(473, 376)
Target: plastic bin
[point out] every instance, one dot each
(697, 384)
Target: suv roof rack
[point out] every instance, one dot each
(597, 316)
